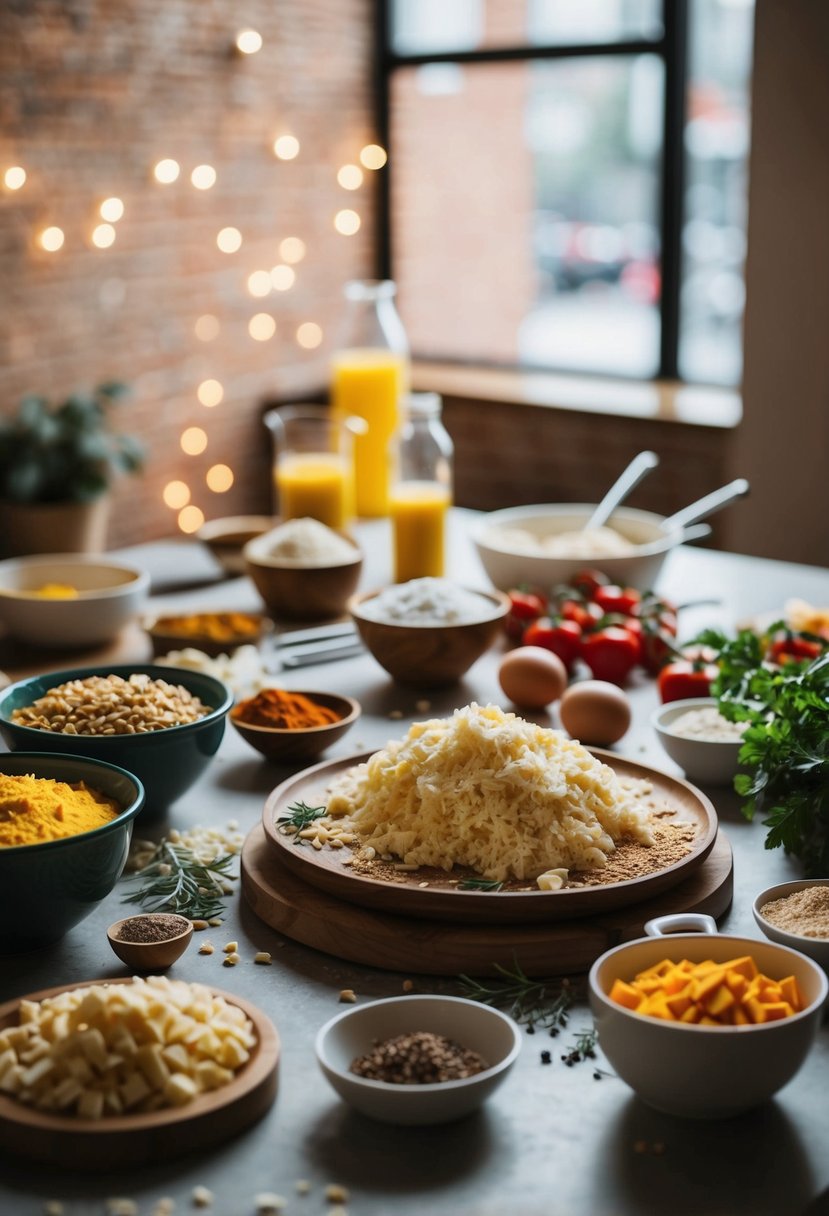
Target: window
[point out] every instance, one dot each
(567, 182)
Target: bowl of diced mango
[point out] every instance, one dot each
(705, 1025)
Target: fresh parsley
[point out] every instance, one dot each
(785, 747)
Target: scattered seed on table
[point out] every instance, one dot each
(263, 958)
(202, 1197)
(336, 1193)
(231, 947)
(232, 960)
(348, 996)
(206, 948)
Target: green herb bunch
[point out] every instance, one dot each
(66, 453)
(786, 744)
(175, 880)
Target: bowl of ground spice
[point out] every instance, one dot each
(796, 914)
(150, 941)
(65, 829)
(162, 724)
(418, 1059)
(289, 725)
(213, 633)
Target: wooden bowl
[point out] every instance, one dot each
(166, 634)
(226, 538)
(302, 593)
(149, 956)
(429, 656)
(285, 746)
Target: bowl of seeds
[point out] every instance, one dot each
(150, 941)
(796, 914)
(161, 724)
(416, 1060)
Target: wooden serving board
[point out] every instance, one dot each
(428, 893)
(132, 1140)
(430, 947)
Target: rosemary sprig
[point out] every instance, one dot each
(584, 1048)
(543, 1003)
(299, 816)
(175, 879)
(480, 884)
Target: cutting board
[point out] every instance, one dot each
(431, 947)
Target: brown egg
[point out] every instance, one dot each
(595, 712)
(532, 677)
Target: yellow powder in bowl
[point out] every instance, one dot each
(34, 809)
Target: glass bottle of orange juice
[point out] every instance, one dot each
(421, 491)
(369, 378)
(312, 464)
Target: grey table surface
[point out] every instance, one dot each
(553, 1140)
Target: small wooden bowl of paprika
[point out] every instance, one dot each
(287, 726)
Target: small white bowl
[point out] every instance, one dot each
(703, 1072)
(109, 595)
(508, 567)
(478, 1027)
(709, 761)
(816, 948)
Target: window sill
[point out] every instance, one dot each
(661, 401)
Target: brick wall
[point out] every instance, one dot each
(92, 95)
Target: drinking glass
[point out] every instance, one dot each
(312, 464)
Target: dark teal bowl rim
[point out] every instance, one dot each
(206, 687)
(56, 760)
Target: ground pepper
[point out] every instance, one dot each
(419, 1058)
(154, 927)
(34, 809)
(283, 710)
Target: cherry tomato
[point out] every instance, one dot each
(587, 581)
(563, 638)
(790, 647)
(525, 607)
(686, 677)
(617, 599)
(610, 653)
(584, 612)
(633, 626)
(659, 630)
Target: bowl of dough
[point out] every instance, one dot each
(304, 570)
(546, 544)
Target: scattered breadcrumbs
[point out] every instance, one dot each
(202, 1197)
(347, 996)
(263, 958)
(268, 1203)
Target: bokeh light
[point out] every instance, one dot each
(166, 171)
(262, 327)
(203, 177)
(207, 328)
(111, 210)
(190, 519)
(219, 478)
(372, 156)
(210, 393)
(259, 283)
(103, 236)
(350, 177)
(282, 278)
(309, 335)
(176, 495)
(347, 222)
(14, 177)
(286, 147)
(249, 41)
(292, 250)
(51, 239)
(193, 441)
(229, 240)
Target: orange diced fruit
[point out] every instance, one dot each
(741, 1018)
(657, 970)
(720, 1001)
(625, 994)
(678, 1003)
(745, 966)
(791, 992)
(704, 987)
(755, 1009)
(692, 1014)
(737, 983)
(775, 1010)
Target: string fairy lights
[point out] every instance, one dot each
(177, 494)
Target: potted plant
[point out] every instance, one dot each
(56, 467)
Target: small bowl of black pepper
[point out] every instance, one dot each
(418, 1059)
(150, 941)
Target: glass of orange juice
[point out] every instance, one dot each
(312, 464)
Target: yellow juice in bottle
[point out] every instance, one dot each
(369, 383)
(316, 485)
(418, 513)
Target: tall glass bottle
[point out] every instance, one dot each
(421, 492)
(369, 377)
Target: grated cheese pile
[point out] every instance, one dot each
(488, 790)
(110, 1049)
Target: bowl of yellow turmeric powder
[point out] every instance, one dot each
(289, 726)
(65, 829)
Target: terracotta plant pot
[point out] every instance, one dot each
(70, 527)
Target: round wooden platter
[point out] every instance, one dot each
(117, 1141)
(374, 938)
(324, 868)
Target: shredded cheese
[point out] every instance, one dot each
(488, 790)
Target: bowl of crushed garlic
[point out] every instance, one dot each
(65, 829)
(286, 726)
(796, 914)
(416, 1060)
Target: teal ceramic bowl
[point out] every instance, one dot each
(47, 888)
(167, 761)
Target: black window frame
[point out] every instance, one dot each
(672, 47)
